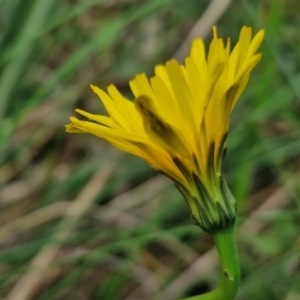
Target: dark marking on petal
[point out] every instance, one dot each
(182, 168)
(210, 161)
(195, 160)
(220, 155)
(231, 92)
(219, 67)
(143, 103)
(167, 136)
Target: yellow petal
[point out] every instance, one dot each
(198, 55)
(128, 108)
(161, 72)
(255, 43)
(112, 108)
(162, 92)
(139, 146)
(181, 92)
(103, 120)
(161, 132)
(180, 117)
(244, 41)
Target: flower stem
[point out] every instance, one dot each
(230, 276)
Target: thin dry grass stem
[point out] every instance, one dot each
(203, 26)
(33, 219)
(149, 282)
(119, 212)
(40, 270)
(27, 151)
(187, 254)
(129, 203)
(209, 260)
(167, 240)
(150, 286)
(136, 196)
(38, 125)
(275, 201)
(23, 188)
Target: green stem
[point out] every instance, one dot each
(230, 276)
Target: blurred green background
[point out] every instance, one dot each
(81, 220)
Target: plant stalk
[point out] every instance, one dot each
(230, 273)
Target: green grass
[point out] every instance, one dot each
(119, 230)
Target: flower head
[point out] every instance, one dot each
(179, 119)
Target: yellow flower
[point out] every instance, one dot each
(179, 119)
